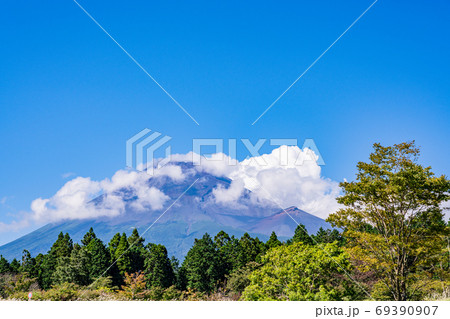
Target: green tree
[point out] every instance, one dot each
(40, 269)
(226, 253)
(98, 258)
(158, 267)
(46, 264)
(179, 274)
(114, 271)
(112, 246)
(136, 252)
(28, 265)
(4, 265)
(122, 255)
(393, 220)
(73, 269)
(201, 265)
(328, 236)
(222, 239)
(238, 280)
(273, 241)
(62, 247)
(15, 265)
(301, 235)
(90, 235)
(250, 249)
(302, 272)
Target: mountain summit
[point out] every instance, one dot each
(187, 213)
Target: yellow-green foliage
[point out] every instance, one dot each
(392, 218)
(302, 272)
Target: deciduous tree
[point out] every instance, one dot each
(302, 272)
(392, 216)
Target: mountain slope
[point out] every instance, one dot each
(193, 214)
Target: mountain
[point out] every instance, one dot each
(193, 214)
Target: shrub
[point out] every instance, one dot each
(172, 293)
(238, 280)
(63, 292)
(303, 272)
(14, 283)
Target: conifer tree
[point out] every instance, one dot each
(28, 265)
(62, 247)
(225, 262)
(273, 241)
(112, 246)
(201, 265)
(90, 235)
(4, 265)
(328, 236)
(122, 255)
(179, 275)
(158, 267)
(73, 269)
(114, 271)
(301, 235)
(137, 251)
(15, 266)
(98, 258)
(251, 249)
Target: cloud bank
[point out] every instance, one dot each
(82, 197)
(288, 176)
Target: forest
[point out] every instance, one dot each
(126, 268)
(389, 241)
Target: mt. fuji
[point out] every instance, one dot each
(176, 211)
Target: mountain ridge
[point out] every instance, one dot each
(188, 217)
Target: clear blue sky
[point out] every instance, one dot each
(69, 97)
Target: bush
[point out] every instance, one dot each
(238, 280)
(436, 290)
(171, 294)
(303, 272)
(192, 295)
(423, 289)
(103, 283)
(63, 292)
(15, 283)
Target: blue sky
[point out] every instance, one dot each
(70, 98)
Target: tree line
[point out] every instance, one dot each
(393, 243)
(206, 268)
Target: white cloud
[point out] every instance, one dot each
(149, 197)
(218, 164)
(231, 194)
(74, 199)
(288, 176)
(14, 225)
(172, 171)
